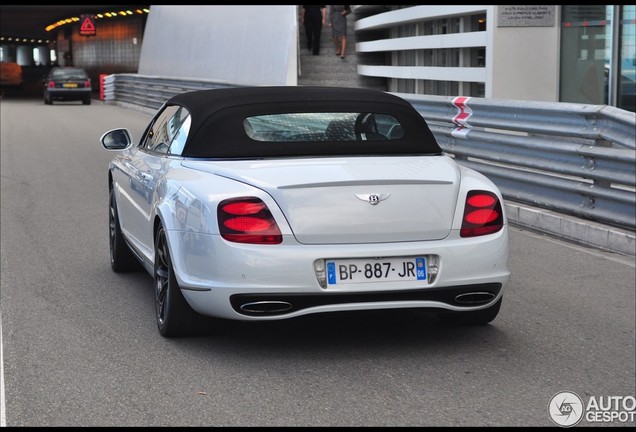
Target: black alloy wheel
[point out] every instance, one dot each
(174, 316)
(121, 257)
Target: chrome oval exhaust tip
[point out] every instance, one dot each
(474, 298)
(266, 307)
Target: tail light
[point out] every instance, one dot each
(51, 84)
(482, 214)
(247, 220)
(87, 83)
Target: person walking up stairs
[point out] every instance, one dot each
(313, 18)
(331, 70)
(337, 18)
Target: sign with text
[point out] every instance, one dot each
(526, 16)
(87, 25)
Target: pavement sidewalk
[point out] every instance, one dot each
(571, 228)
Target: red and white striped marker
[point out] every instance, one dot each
(461, 118)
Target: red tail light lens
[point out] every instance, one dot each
(87, 83)
(247, 220)
(51, 84)
(482, 214)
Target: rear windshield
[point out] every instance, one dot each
(300, 128)
(323, 126)
(69, 74)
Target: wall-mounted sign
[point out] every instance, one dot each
(526, 16)
(87, 26)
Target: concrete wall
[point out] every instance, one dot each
(526, 65)
(246, 45)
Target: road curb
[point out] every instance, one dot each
(571, 228)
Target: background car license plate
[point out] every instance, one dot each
(376, 270)
(70, 85)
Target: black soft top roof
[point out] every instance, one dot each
(217, 116)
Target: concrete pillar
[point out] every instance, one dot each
(25, 55)
(43, 56)
(8, 53)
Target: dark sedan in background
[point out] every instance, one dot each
(67, 84)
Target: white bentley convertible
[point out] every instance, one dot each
(268, 203)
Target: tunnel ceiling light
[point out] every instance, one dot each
(24, 40)
(111, 14)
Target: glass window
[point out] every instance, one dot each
(179, 140)
(596, 68)
(327, 126)
(478, 22)
(68, 73)
(169, 125)
(585, 51)
(626, 90)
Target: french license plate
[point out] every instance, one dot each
(352, 271)
(70, 85)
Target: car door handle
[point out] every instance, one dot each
(144, 176)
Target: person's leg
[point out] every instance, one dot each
(309, 33)
(317, 31)
(343, 46)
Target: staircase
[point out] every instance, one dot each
(328, 69)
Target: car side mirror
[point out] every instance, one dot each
(116, 139)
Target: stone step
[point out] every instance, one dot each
(349, 63)
(327, 69)
(329, 76)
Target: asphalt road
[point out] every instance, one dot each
(80, 345)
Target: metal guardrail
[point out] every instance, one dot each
(151, 91)
(571, 158)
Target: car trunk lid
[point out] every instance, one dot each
(355, 200)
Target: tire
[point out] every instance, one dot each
(174, 315)
(478, 317)
(121, 257)
(87, 100)
(47, 99)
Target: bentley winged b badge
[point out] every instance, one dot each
(373, 199)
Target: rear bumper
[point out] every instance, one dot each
(70, 94)
(269, 283)
(260, 305)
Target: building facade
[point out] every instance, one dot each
(561, 53)
(577, 53)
